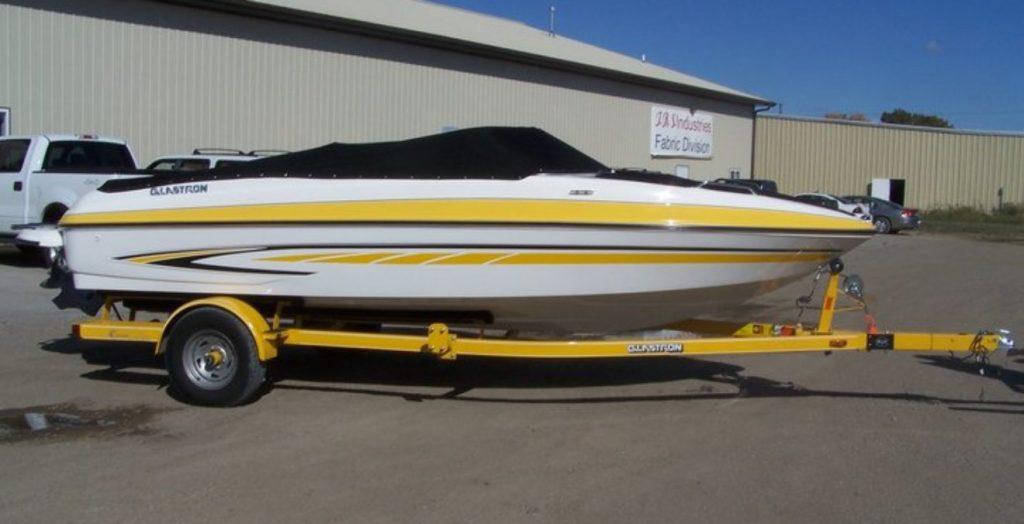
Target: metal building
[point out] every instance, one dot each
(169, 76)
(942, 167)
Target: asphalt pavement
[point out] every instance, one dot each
(362, 437)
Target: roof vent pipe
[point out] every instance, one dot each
(551, 21)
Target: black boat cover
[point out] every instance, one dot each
(499, 153)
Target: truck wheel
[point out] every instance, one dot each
(882, 225)
(212, 360)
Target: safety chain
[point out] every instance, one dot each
(804, 302)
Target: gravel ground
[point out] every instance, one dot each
(365, 437)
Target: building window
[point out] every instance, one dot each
(5, 121)
(682, 171)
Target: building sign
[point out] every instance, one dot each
(681, 133)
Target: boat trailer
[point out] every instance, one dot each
(216, 348)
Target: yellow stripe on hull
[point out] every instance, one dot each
(555, 258)
(463, 259)
(504, 258)
(505, 211)
(163, 257)
(656, 258)
(413, 258)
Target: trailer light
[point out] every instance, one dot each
(1006, 342)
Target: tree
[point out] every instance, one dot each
(856, 117)
(901, 116)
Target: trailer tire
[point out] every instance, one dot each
(212, 359)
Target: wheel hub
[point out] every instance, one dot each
(214, 358)
(209, 360)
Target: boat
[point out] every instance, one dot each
(508, 228)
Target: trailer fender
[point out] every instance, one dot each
(252, 319)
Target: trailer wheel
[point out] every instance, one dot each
(212, 359)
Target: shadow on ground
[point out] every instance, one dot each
(1011, 378)
(468, 379)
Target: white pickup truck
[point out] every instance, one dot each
(42, 176)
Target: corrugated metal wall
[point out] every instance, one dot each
(942, 168)
(169, 78)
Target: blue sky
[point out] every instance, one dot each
(963, 60)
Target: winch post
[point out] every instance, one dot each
(828, 302)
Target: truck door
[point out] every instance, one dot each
(13, 153)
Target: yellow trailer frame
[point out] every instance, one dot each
(439, 340)
(217, 347)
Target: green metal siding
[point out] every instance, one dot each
(942, 168)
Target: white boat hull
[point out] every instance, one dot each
(560, 254)
(558, 279)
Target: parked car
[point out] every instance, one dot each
(760, 186)
(42, 176)
(818, 201)
(835, 202)
(209, 158)
(888, 217)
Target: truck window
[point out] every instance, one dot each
(230, 163)
(162, 165)
(77, 154)
(194, 164)
(12, 155)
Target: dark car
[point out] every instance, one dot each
(889, 217)
(760, 186)
(818, 200)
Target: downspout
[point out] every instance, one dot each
(753, 134)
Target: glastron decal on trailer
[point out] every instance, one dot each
(680, 132)
(654, 348)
